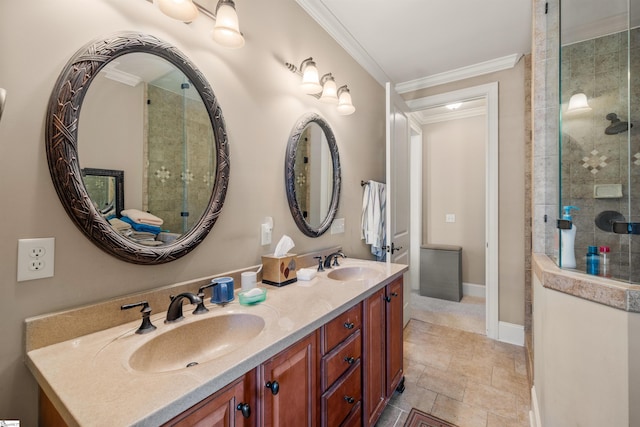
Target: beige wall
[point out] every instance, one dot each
(453, 167)
(261, 101)
(511, 88)
(582, 355)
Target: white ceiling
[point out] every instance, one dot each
(407, 40)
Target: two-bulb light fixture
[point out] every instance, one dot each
(324, 88)
(226, 30)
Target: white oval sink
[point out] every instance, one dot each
(196, 342)
(353, 273)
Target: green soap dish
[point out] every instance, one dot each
(252, 299)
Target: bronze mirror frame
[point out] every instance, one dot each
(290, 178)
(62, 146)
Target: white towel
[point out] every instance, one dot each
(373, 218)
(142, 217)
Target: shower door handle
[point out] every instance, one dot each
(626, 227)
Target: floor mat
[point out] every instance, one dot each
(420, 419)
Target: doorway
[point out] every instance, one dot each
(489, 93)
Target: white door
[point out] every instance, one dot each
(398, 209)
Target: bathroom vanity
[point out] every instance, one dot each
(328, 351)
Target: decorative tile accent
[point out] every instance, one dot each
(208, 179)
(637, 159)
(594, 163)
(301, 179)
(186, 176)
(163, 174)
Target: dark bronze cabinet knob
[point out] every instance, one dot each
(349, 325)
(273, 386)
(349, 360)
(245, 409)
(349, 399)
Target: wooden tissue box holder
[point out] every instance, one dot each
(279, 271)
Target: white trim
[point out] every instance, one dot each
(415, 195)
(486, 67)
(534, 413)
(490, 92)
(511, 333)
(473, 290)
(323, 16)
(450, 115)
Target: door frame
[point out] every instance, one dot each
(488, 91)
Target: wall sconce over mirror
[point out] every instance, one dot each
(226, 30)
(324, 88)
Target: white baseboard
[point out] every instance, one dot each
(534, 413)
(473, 290)
(511, 333)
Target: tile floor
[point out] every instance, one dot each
(457, 375)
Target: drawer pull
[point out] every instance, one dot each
(349, 325)
(245, 409)
(349, 360)
(394, 294)
(349, 399)
(387, 299)
(273, 386)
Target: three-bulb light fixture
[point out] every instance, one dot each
(226, 31)
(324, 88)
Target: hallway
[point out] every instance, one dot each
(459, 376)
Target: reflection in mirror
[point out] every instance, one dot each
(312, 175)
(147, 111)
(3, 97)
(106, 189)
(164, 133)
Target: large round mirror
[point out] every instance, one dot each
(136, 105)
(312, 175)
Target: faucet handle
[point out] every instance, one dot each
(201, 309)
(146, 325)
(320, 266)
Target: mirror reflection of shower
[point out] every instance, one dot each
(617, 126)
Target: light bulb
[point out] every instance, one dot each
(310, 80)
(182, 10)
(345, 106)
(329, 90)
(227, 30)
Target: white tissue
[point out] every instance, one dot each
(284, 246)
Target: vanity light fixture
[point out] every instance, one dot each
(226, 30)
(578, 103)
(325, 88)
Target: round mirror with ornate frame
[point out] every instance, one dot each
(62, 123)
(312, 175)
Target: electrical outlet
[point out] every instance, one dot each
(35, 258)
(337, 226)
(265, 235)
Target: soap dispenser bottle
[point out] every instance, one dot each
(567, 240)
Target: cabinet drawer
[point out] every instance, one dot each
(334, 332)
(341, 358)
(355, 417)
(340, 399)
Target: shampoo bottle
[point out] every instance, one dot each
(567, 241)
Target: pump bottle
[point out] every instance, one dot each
(567, 241)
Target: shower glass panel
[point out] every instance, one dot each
(180, 170)
(599, 148)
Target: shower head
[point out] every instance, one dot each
(616, 125)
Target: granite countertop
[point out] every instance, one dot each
(614, 293)
(90, 382)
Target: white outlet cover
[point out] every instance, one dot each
(26, 250)
(337, 226)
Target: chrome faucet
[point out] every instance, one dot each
(334, 256)
(174, 312)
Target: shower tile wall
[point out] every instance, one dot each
(169, 179)
(597, 67)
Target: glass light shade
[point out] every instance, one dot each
(578, 102)
(310, 80)
(345, 107)
(182, 10)
(227, 31)
(329, 91)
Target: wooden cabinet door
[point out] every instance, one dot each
(373, 356)
(394, 353)
(289, 386)
(222, 409)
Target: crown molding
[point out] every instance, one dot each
(452, 115)
(319, 12)
(486, 67)
(112, 73)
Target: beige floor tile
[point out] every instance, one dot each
(441, 382)
(430, 355)
(494, 420)
(459, 413)
(390, 418)
(491, 399)
(464, 365)
(414, 397)
(505, 379)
